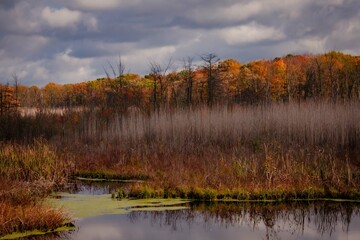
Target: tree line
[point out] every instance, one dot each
(333, 76)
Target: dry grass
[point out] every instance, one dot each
(310, 147)
(294, 148)
(21, 207)
(36, 162)
(27, 175)
(309, 123)
(20, 218)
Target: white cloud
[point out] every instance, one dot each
(60, 18)
(139, 59)
(309, 44)
(236, 12)
(345, 34)
(23, 18)
(312, 44)
(67, 68)
(62, 68)
(243, 10)
(99, 5)
(250, 33)
(65, 18)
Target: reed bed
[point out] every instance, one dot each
(308, 149)
(306, 123)
(35, 162)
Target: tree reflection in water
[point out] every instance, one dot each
(293, 218)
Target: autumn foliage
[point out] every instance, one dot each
(333, 76)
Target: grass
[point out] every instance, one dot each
(109, 176)
(28, 174)
(308, 149)
(271, 152)
(22, 218)
(209, 194)
(305, 124)
(35, 162)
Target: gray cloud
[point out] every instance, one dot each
(71, 40)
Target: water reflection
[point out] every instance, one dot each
(320, 220)
(291, 219)
(88, 187)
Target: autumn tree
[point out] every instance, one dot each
(332, 66)
(229, 74)
(278, 79)
(333, 75)
(254, 79)
(53, 95)
(8, 101)
(295, 76)
(353, 77)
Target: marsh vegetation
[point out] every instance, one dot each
(277, 130)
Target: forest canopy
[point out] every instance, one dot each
(333, 76)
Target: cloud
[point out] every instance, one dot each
(15, 47)
(68, 41)
(99, 5)
(250, 33)
(345, 35)
(230, 13)
(21, 19)
(65, 18)
(61, 68)
(138, 61)
(238, 11)
(59, 18)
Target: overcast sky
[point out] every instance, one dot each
(72, 40)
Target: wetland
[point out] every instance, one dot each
(97, 216)
(273, 171)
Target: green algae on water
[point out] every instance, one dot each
(17, 235)
(82, 206)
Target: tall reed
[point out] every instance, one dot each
(298, 148)
(306, 124)
(35, 162)
(19, 218)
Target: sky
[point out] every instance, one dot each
(69, 41)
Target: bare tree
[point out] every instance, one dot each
(16, 86)
(319, 84)
(117, 96)
(158, 74)
(189, 78)
(210, 63)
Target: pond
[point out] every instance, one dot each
(97, 216)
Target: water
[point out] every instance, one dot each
(229, 220)
(95, 187)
